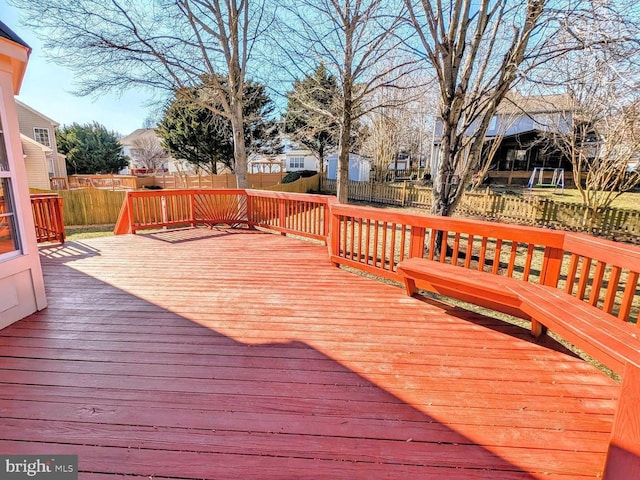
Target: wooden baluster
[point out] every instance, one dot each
(375, 244)
(443, 246)
(456, 249)
(512, 258)
(432, 244)
(528, 261)
(612, 289)
(571, 274)
(596, 283)
(496, 257)
(403, 239)
(483, 254)
(469, 251)
(392, 251)
(628, 296)
(383, 253)
(367, 240)
(584, 277)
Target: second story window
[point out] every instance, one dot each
(41, 135)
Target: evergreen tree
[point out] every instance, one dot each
(193, 132)
(311, 107)
(90, 149)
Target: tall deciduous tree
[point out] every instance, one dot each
(167, 45)
(203, 138)
(90, 149)
(476, 50)
(357, 41)
(315, 93)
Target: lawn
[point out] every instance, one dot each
(79, 232)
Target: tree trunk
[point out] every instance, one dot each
(321, 169)
(343, 161)
(239, 149)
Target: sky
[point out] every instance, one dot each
(47, 88)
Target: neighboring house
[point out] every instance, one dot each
(146, 155)
(359, 167)
(298, 159)
(21, 281)
(42, 158)
(521, 125)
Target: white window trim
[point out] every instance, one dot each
(35, 135)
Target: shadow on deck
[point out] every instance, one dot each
(235, 354)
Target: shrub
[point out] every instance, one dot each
(293, 176)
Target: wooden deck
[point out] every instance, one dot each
(236, 354)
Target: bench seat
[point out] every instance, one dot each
(602, 336)
(472, 286)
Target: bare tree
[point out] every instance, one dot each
(162, 45)
(476, 49)
(147, 153)
(356, 40)
(600, 132)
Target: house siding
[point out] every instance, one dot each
(28, 120)
(36, 165)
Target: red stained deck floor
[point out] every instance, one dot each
(234, 354)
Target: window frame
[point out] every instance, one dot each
(299, 162)
(14, 227)
(44, 129)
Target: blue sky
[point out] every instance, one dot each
(47, 88)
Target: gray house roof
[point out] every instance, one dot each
(9, 34)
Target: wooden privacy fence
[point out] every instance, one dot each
(179, 181)
(91, 206)
(169, 181)
(111, 182)
(47, 217)
(543, 212)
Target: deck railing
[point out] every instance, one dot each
(304, 215)
(600, 272)
(47, 217)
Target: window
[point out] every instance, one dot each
(41, 135)
(8, 229)
(296, 162)
(493, 123)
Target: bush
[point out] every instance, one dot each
(293, 176)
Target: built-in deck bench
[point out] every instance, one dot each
(597, 333)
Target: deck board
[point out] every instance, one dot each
(240, 354)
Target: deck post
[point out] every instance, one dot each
(131, 228)
(623, 456)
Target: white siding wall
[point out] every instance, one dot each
(37, 166)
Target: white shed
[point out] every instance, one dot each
(359, 167)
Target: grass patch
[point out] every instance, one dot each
(80, 232)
